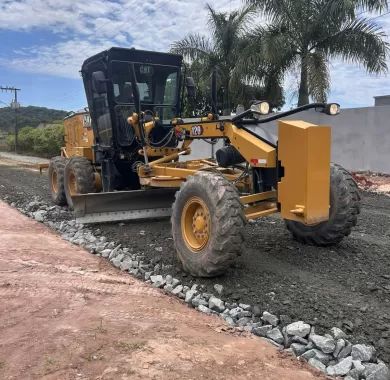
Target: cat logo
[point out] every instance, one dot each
(197, 130)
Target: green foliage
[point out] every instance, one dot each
(223, 51)
(43, 142)
(29, 116)
(307, 34)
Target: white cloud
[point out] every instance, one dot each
(87, 27)
(95, 25)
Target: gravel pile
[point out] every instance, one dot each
(331, 353)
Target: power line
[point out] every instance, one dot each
(15, 105)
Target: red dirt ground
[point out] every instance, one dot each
(66, 314)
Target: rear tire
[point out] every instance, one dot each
(344, 209)
(207, 224)
(56, 180)
(79, 178)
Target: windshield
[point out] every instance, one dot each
(157, 86)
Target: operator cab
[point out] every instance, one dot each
(110, 78)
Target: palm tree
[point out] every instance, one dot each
(222, 51)
(307, 34)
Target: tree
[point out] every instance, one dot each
(222, 52)
(309, 33)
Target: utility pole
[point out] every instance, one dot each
(14, 105)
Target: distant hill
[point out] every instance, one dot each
(28, 117)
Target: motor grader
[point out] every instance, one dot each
(124, 159)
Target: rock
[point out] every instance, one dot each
(176, 291)
(256, 311)
(198, 300)
(207, 296)
(125, 265)
(298, 349)
(168, 287)
(175, 282)
(363, 352)
(337, 333)
(298, 339)
(299, 328)
(325, 344)
(318, 355)
(245, 307)
(156, 278)
(262, 330)
(308, 354)
(168, 279)
(116, 262)
(340, 344)
(159, 284)
(244, 313)
(218, 288)
(317, 364)
(190, 295)
(39, 215)
(229, 320)
(270, 318)
(346, 351)
(341, 368)
(204, 309)
(243, 321)
(147, 275)
(376, 371)
(135, 272)
(349, 378)
(276, 335)
(106, 252)
(357, 369)
(216, 304)
(234, 313)
(114, 252)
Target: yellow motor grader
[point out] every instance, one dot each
(124, 160)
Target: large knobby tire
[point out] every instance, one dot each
(207, 224)
(344, 209)
(79, 178)
(56, 180)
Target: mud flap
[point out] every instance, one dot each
(123, 205)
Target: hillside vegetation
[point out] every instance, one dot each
(29, 117)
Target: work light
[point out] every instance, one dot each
(261, 107)
(332, 109)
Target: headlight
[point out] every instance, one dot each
(332, 109)
(261, 107)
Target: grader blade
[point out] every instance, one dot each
(123, 205)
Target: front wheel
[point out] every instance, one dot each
(344, 209)
(207, 224)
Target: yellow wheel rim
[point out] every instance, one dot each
(195, 224)
(72, 184)
(54, 184)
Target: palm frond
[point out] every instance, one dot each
(193, 46)
(360, 41)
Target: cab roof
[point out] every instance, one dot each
(134, 55)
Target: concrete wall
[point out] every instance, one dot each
(360, 137)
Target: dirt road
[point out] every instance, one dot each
(65, 314)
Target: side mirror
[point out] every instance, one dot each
(99, 82)
(191, 89)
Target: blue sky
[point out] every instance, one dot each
(44, 42)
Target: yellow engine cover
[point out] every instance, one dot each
(79, 135)
(304, 152)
